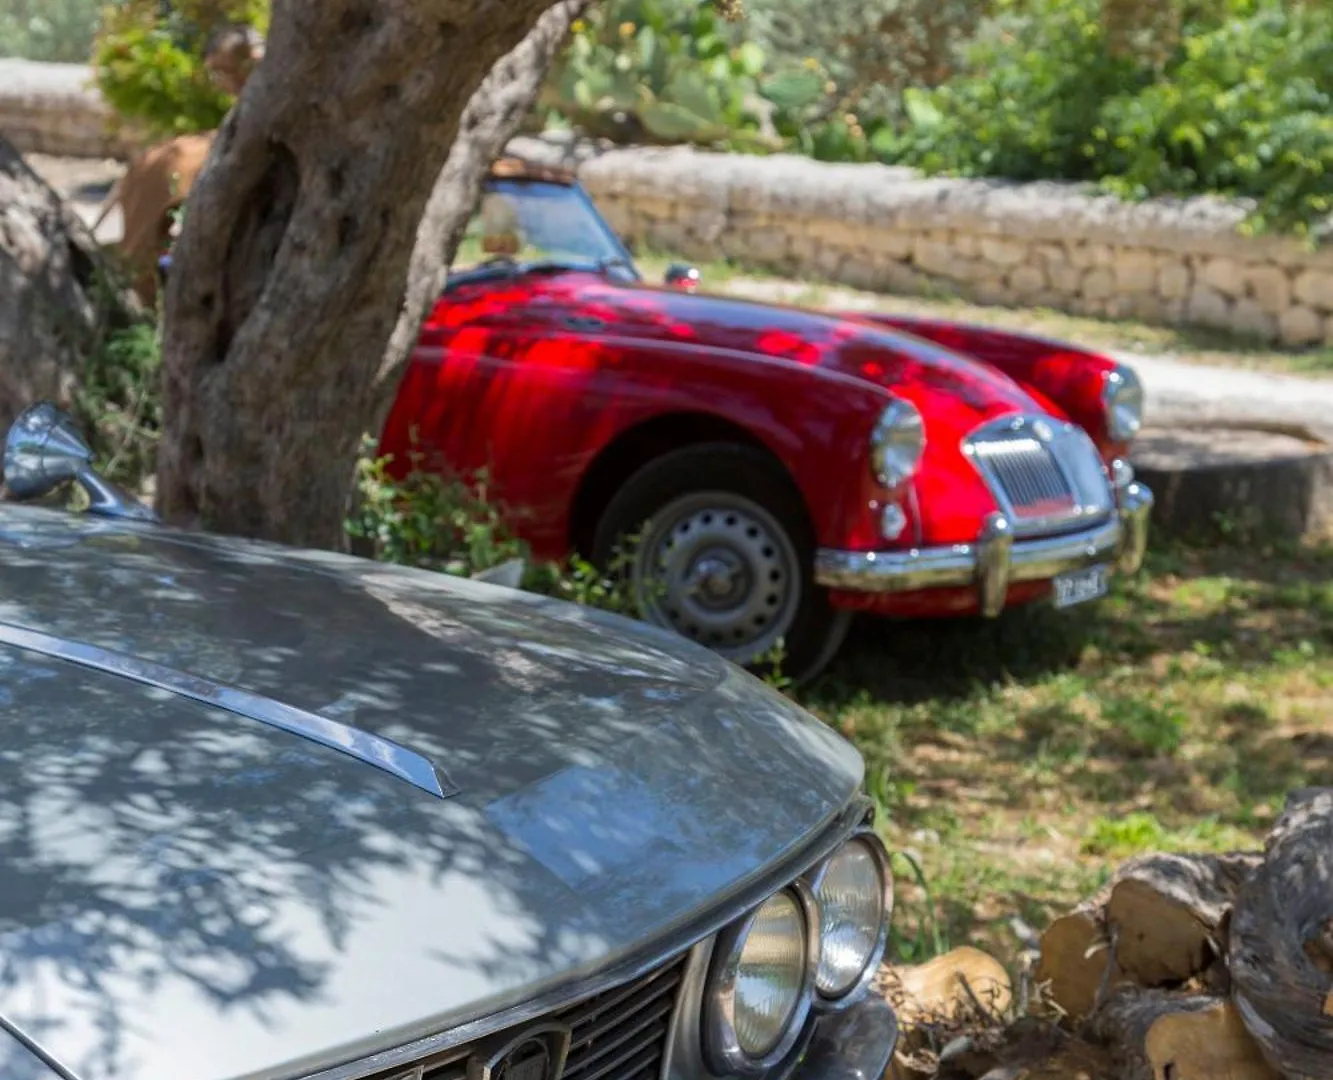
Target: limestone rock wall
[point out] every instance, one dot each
(56, 109)
(891, 229)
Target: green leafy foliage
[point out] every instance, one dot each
(1238, 101)
(432, 520)
(427, 518)
(149, 65)
(675, 71)
(53, 30)
(665, 71)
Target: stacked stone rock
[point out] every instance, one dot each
(1049, 245)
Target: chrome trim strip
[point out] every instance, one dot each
(686, 935)
(985, 565)
(959, 564)
(365, 747)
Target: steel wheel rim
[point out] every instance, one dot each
(719, 569)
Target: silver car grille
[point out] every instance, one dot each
(619, 1034)
(1045, 474)
(622, 1034)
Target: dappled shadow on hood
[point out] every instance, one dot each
(189, 891)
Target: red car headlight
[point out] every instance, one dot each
(1122, 403)
(897, 443)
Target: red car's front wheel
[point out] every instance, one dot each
(717, 546)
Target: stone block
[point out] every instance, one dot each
(1224, 276)
(1028, 281)
(1098, 284)
(1135, 271)
(1271, 287)
(1249, 317)
(1208, 307)
(999, 251)
(1173, 280)
(1314, 288)
(1300, 325)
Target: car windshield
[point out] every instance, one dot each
(532, 223)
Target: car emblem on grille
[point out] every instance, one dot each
(535, 1053)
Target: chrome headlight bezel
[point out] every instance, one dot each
(868, 839)
(897, 443)
(1122, 403)
(722, 1050)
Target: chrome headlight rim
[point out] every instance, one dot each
(1124, 420)
(869, 839)
(893, 465)
(722, 1049)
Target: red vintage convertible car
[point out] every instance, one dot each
(775, 470)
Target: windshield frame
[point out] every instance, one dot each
(621, 258)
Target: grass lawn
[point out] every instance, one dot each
(1202, 346)
(1020, 761)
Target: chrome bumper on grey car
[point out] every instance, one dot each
(854, 1045)
(996, 560)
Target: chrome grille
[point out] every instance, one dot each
(1046, 475)
(1028, 475)
(619, 1034)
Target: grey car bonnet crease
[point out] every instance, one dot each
(191, 892)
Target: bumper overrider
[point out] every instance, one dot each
(996, 560)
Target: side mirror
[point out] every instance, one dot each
(683, 276)
(44, 451)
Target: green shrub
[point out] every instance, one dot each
(52, 30)
(674, 71)
(1239, 104)
(434, 521)
(150, 65)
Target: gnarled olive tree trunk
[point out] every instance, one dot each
(288, 278)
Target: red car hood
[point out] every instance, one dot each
(951, 389)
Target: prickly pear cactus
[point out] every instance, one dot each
(671, 71)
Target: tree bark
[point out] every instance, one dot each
(493, 117)
(287, 279)
(58, 297)
(1282, 940)
(1158, 1035)
(1167, 910)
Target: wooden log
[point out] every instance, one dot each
(1161, 1035)
(1076, 957)
(960, 983)
(959, 991)
(1281, 942)
(1166, 911)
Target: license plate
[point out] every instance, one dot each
(1080, 586)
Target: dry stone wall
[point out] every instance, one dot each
(56, 109)
(872, 226)
(891, 229)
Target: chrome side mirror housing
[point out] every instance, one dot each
(44, 451)
(683, 276)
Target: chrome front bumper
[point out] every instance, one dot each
(996, 560)
(854, 1045)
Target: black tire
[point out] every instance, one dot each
(814, 629)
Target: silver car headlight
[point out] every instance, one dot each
(854, 893)
(897, 442)
(762, 984)
(1122, 402)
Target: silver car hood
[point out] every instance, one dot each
(189, 892)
